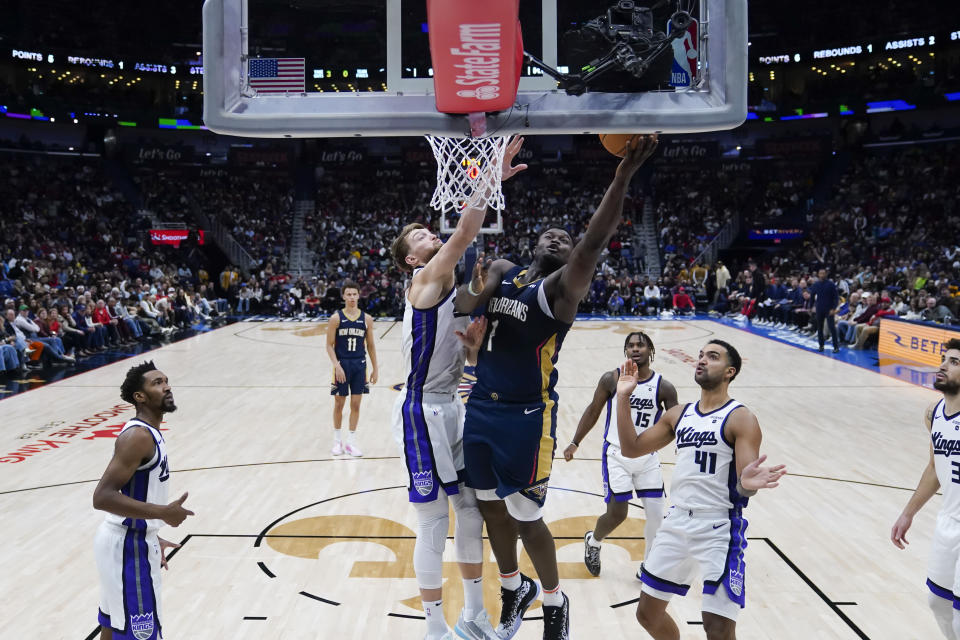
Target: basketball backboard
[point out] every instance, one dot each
(367, 71)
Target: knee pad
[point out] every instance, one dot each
(468, 528)
(432, 524)
(944, 614)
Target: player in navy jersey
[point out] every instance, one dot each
(717, 469)
(428, 414)
(133, 491)
(509, 432)
(349, 337)
(623, 477)
(942, 421)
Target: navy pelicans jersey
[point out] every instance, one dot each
(432, 354)
(945, 433)
(149, 481)
(351, 337)
(644, 409)
(705, 476)
(518, 357)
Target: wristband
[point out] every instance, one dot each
(746, 493)
(575, 443)
(470, 289)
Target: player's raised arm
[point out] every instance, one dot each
(926, 489)
(656, 437)
(606, 388)
(132, 448)
(744, 429)
(573, 281)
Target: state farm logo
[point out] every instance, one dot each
(480, 65)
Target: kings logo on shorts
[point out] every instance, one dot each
(423, 482)
(142, 625)
(736, 582)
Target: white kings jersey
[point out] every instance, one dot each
(644, 409)
(705, 475)
(149, 482)
(945, 433)
(432, 354)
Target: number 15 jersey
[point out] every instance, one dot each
(644, 409)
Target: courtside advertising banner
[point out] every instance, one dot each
(918, 342)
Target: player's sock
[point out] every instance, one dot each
(336, 435)
(510, 581)
(472, 597)
(553, 597)
(352, 438)
(593, 542)
(436, 625)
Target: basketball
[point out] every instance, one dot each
(616, 143)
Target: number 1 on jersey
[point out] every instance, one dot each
(351, 344)
(493, 330)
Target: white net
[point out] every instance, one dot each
(468, 172)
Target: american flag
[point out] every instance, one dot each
(277, 75)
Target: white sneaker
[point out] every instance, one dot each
(337, 448)
(353, 450)
(477, 629)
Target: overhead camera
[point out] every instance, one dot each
(621, 40)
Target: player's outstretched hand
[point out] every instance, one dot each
(898, 535)
(755, 477)
(164, 545)
(176, 513)
(569, 451)
(472, 338)
(513, 148)
(628, 378)
(480, 268)
(637, 153)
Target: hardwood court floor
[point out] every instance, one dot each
(290, 543)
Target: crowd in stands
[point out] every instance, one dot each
(77, 275)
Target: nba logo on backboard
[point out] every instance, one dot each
(423, 482)
(736, 583)
(685, 56)
(142, 625)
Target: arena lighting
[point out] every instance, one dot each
(889, 105)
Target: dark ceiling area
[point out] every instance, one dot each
(167, 28)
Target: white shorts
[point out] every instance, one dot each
(428, 428)
(943, 568)
(708, 543)
(128, 561)
(622, 476)
(519, 506)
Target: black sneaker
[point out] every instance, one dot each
(591, 555)
(556, 621)
(513, 604)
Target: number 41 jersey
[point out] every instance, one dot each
(705, 475)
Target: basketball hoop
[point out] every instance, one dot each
(469, 171)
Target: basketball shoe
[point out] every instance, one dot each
(337, 448)
(353, 450)
(479, 628)
(591, 555)
(556, 621)
(513, 604)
